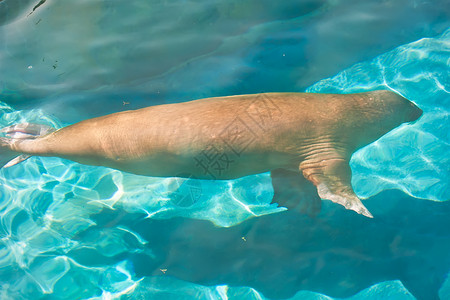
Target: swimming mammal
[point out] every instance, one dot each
(301, 138)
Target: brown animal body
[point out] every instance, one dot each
(296, 136)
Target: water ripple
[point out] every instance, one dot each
(56, 237)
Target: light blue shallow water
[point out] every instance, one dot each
(70, 231)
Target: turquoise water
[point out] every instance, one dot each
(70, 231)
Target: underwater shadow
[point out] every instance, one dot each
(338, 253)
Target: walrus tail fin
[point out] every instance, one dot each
(15, 134)
(332, 178)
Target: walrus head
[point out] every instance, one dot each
(362, 119)
(400, 108)
(381, 111)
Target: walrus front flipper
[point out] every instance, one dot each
(292, 190)
(23, 131)
(332, 177)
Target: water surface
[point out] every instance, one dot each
(70, 231)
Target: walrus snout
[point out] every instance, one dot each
(406, 109)
(415, 113)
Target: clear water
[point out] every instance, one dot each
(70, 231)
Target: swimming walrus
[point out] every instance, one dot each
(300, 138)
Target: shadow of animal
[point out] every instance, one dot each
(338, 253)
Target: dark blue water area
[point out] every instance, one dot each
(152, 52)
(337, 254)
(69, 231)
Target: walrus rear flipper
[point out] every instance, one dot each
(332, 177)
(293, 191)
(19, 132)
